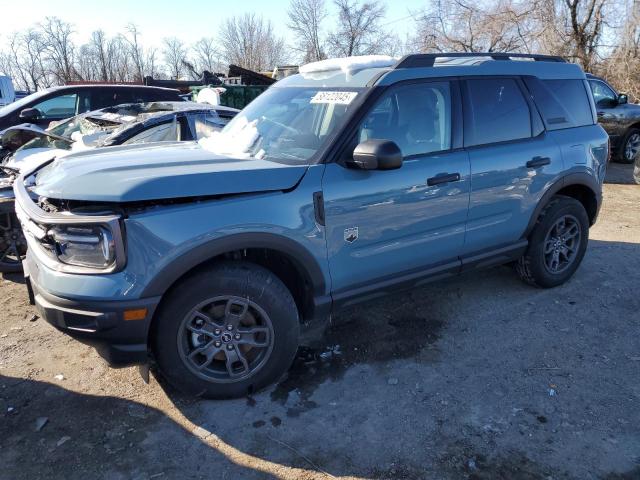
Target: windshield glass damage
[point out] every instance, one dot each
(81, 132)
(287, 124)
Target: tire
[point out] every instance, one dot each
(630, 146)
(636, 170)
(536, 266)
(13, 245)
(196, 353)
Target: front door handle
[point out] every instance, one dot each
(536, 162)
(445, 178)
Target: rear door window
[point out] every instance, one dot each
(562, 103)
(165, 132)
(495, 111)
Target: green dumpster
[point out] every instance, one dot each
(236, 96)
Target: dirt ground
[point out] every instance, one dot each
(479, 377)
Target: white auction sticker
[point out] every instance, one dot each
(341, 98)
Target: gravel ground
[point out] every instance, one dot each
(479, 377)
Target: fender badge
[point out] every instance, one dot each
(350, 234)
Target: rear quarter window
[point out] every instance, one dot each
(562, 103)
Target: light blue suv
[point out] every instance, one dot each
(341, 184)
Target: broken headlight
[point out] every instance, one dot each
(83, 245)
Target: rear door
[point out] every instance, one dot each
(512, 161)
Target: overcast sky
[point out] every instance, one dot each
(188, 20)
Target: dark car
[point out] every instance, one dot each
(619, 118)
(129, 124)
(57, 103)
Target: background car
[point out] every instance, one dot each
(618, 117)
(121, 125)
(7, 94)
(58, 103)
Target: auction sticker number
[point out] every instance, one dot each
(341, 98)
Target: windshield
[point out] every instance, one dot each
(18, 104)
(75, 129)
(287, 124)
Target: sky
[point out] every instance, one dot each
(188, 20)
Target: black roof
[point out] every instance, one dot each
(98, 86)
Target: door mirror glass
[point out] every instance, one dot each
(376, 155)
(622, 99)
(30, 114)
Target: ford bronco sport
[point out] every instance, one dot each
(338, 185)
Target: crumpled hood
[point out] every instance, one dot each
(29, 160)
(162, 171)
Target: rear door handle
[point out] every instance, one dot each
(536, 162)
(445, 178)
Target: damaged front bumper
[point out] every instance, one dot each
(74, 299)
(118, 330)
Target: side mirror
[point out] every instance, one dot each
(30, 114)
(376, 155)
(622, 99)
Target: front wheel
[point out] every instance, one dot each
(636, 170)
(13, 245)
(630, 147)
(227, 331)
(556, 245)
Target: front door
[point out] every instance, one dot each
(387, 226)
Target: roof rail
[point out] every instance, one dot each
(418, 60)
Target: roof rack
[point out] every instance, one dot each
(418, 60)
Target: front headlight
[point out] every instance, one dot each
(83, 245)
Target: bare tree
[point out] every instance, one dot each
(59, 48)
(305, 19)
(461, 26)
(250, 42)
(622, 68)
(586, 21)
(359, 30)
(136, 51)
(206, 55)
(175, 55)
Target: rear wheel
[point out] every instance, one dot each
(630, 146)
(227, 331)
(556, 245)
(13, 245)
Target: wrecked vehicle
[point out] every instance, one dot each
(58, 103)
(343, 183)
(27, 146)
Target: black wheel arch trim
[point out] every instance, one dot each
(299, 255)
(577, 178)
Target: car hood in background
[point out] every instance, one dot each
(21, 134)
(28, 160)
(162, 171)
